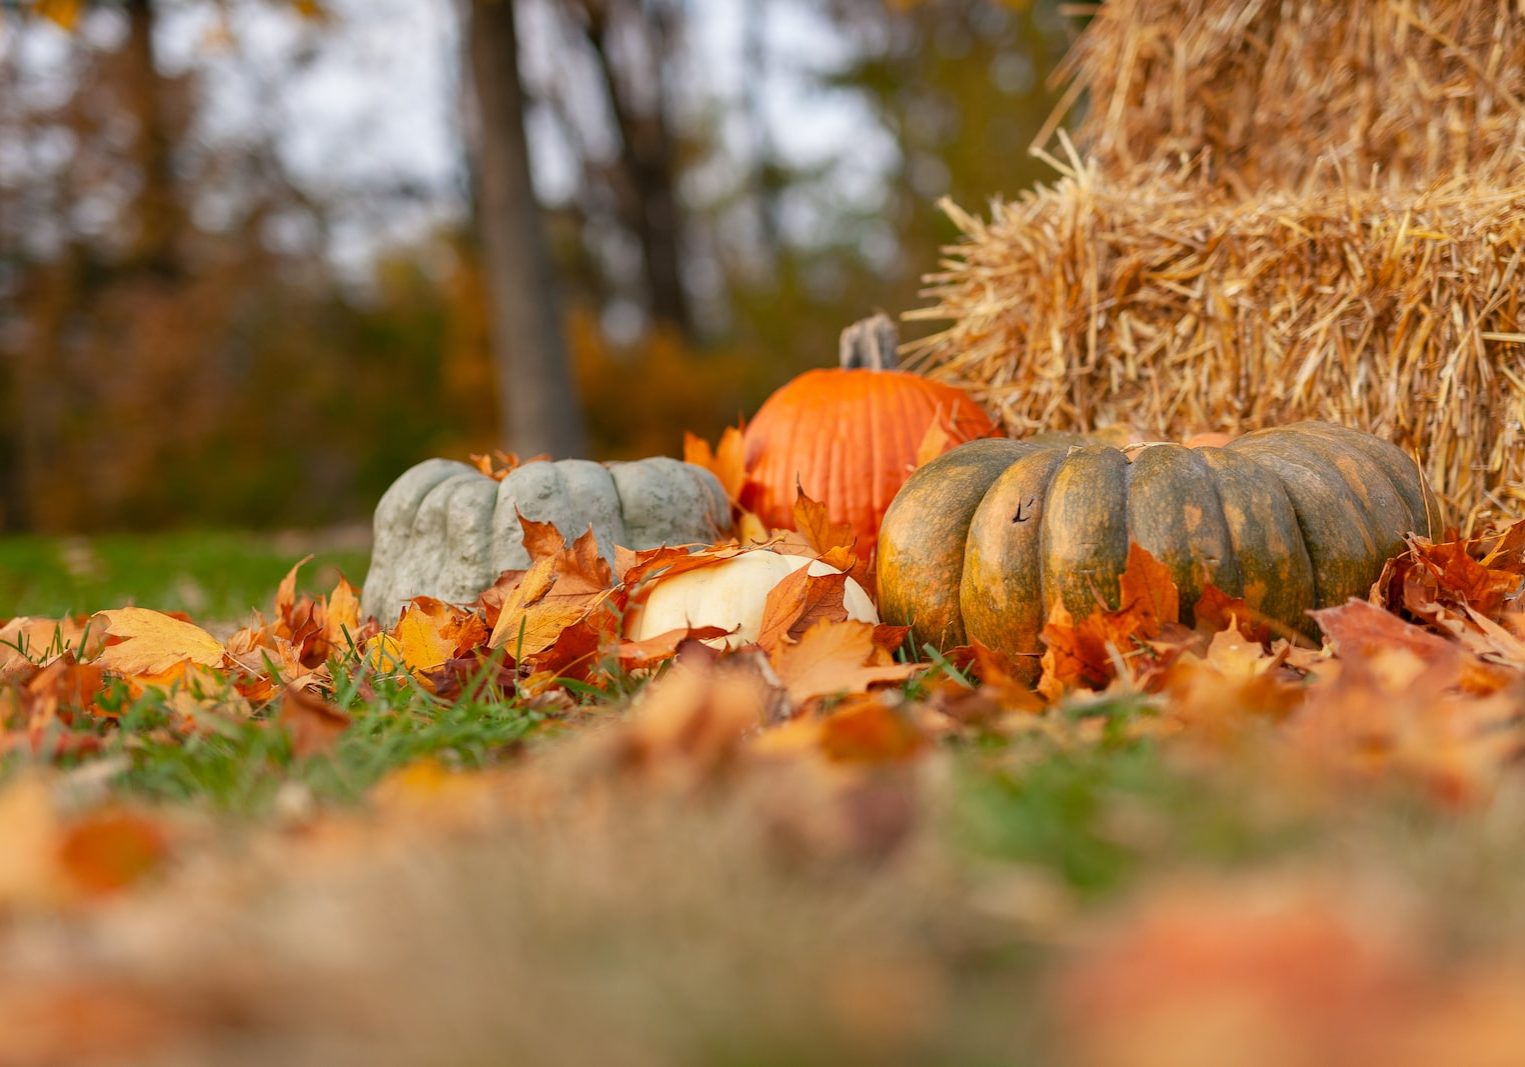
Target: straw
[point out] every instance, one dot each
(1161, 303)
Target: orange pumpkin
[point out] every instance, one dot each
(849, 436)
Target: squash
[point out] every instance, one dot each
(730, 594)
(849, 436)
(446, 530)
(981, 542)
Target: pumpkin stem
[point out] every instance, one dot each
(870, 344)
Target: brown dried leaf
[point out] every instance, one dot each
(313, 723)
(635, 655)
(797, 603)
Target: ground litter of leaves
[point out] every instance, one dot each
(505, 830)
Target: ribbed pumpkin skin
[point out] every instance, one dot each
(446, 530)
(981, 541)
(849, 438)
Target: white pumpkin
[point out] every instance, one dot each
(731, 594)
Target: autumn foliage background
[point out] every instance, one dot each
(201, 326)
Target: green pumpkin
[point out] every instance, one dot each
(980, 542)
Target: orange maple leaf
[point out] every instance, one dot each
(1149, 593)
(1144, 631)
(727, 461)
(814, 524)
(867, 729)
(1216, 610)
(564, 587)
(798, 602)
(671, 562)
(836, 657)
(499, 464)
(430, 633)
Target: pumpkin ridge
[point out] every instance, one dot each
(780, 461)
(430, 521)
(1175, 513)
(1393, 464)
(876, 451)
(1000, 586)
(1363, 487)
(1042, 583)
(1330, 568)
(1088, 551)
(1273, 557)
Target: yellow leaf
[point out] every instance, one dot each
(421, 640)
(934, 443)
(343, 616)
(382, 653)
(153, 642)
(750, 530)
(535, 583)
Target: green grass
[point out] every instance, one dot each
(1101, 817)
(240, 765)
(213, 575)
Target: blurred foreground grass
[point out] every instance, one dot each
(217, 575)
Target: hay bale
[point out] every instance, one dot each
(1389, 93)
(1178, 308)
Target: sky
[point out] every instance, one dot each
(369, 103)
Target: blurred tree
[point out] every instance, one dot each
(157, 208)
(538, 399)
(721, 190)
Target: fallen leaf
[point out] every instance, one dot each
(286, 592)
(314, 724)
(1009, 682)
(563, 587)
(814, 524)
(1216, 610)
(866, 729)
(836, 657)
(427, 634)
(798, 602)
(498, 464)
(151, 642)
(341, 619)
(934, 443)
(636, 655)
(1148, 592)
(109, 850)
(1359, 628)
(727, 461)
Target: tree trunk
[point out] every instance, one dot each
(157, 209)
(648, 155)
(537, 394)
